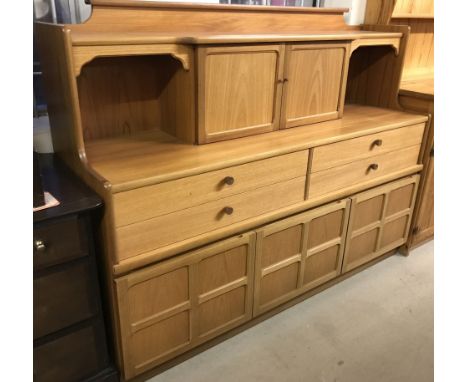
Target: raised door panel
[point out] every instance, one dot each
(314, 83)
(379, 221)
(238, 91)
(299, 253)
(175, 305)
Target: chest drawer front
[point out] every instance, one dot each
(60, 241)
(154, 233)
(337, 154)
(63, 298)
(338, 179)
(73, 357)
(148, 202)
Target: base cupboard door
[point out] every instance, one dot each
(379, 221)
(177, 304)
(299, 253)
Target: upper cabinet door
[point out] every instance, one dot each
(314, 83)
(239, 91)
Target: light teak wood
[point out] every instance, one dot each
(422, 225)
(335, 179)
(337, 154)
(150, 234)
(249, 100)
(298, 253)
(379, 221)
(148, 202)
(176, 305)
(314, 83)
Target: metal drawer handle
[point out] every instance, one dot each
(229, 180)
(373, 166)
(39, 245)
(377, 142)
(228, 210)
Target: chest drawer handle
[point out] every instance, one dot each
(373, 166)
(229, 180)
(39, 245)
(377, 142)
(228, 210)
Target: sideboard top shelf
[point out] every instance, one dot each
(153, 157)
(119, 38)
(209, 6)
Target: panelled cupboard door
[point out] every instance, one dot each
(299, 253)
(239, 90)
(177, 304)
(379, 221)
(314, 83)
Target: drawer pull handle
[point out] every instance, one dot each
(229, 180)
(373, 166)
(228, 210)
(39, 245)
(377, 142)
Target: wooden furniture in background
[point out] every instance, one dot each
(70, 340)
(229, 157)
(416, 93)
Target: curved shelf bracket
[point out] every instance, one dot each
(394, 42)
(85, 54)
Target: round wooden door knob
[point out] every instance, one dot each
(377, 142)
(373, 166)
(228, 210)
(229, 180)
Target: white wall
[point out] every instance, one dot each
(357, 9)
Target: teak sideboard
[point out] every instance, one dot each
(248, 157)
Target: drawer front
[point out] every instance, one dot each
(340, 178)
(170, 307)
(64, 297)
(72, 357)
(348, 151)
(154, 233)
(60, 241)
(148, 202)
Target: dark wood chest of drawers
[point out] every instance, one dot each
(70, 341)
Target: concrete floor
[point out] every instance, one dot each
(374, 327)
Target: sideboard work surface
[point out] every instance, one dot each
(240, 168)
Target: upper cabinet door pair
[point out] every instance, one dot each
(252, 89)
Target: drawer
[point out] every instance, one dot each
(340, 153)
(60, 241)
(154, 233)
(64, 297)
(148, 202)
(338, 179)
(72, 357)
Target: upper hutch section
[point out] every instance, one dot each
(206, 73)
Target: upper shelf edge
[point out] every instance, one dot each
(225, 7)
